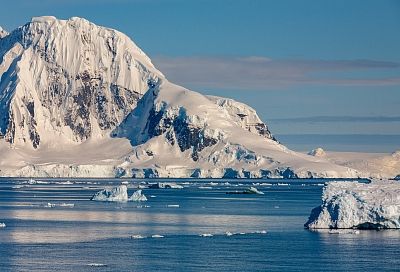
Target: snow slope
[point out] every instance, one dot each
(80, 100)
(377, 165)
(358, 205)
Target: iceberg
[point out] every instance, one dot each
(138, 196)
(118, 194)
(2, 225)
(353, 205)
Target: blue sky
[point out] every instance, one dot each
(288, 59)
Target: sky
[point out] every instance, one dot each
(311, 67)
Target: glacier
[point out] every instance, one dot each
(348, 204)
(81, 100)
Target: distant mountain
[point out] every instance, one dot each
(80, 100)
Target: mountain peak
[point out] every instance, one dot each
(70, 78)
(81, 99)
(3, 32)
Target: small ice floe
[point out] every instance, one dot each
(66, 182)
(157, 236)
(153, 196)
(165, 185)
(2, 225)
(265, 184)
(18, 186)
(276, 207)
(125, 182)
(173, 206)
(118, 194)
(283, 184)
(261, 232)
(65, 205)
(205, 187)
(143, 206)
(251, 190)
(228, 233)
(96, 265)
(213, 183)
(227, 184)
(137, 236)
(32, 182)
(206, 235)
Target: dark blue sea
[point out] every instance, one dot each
(51, 225)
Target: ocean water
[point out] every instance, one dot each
(53, 226)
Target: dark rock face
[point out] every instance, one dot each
(231, 173)
(288, 173)
(10, 134)
(178, 130)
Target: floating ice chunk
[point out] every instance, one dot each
(2, 225)
(68, 182)
(165, 185)
(348, 205)
(173, 206)
(206, 235)
(52, 205)
(33, 182)
(117, 194)
(283, 184)
(261, 232)
(157, 236)
(253, 190)
(125, 182)
(228, 233)
(138, 196)
(205, 187)
(97, 265)
(137, 236)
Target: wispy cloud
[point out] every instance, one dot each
(329, 119)
(256, 72)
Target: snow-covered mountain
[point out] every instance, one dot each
(78, 99)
